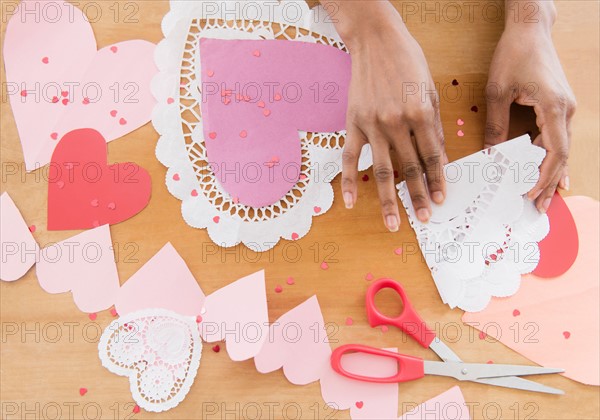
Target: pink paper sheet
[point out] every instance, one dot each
(558, 319)
(449, 405)
(164, 282)
(19, 248)
(58, 81)
(84, 191)
(256, 96)
(238, 314)
(84, 265)
(365, 400)
(298, 343)
(559, 249)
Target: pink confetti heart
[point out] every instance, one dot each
(384, 328)
(210, 73)
(324, 265)
(54, 136)
(277, 97)
(45, 60)
(111, 206)
(93, 316)
(198, 319)
(122, 121)
(490, 362)
(460, 122)
(212, 135)
(113, 113)
(64, 93)
(295, 236)
(194, 193)
(482, 335)
(261, 104)
(266, 112)
(278, 289)
(83, 391)
(65, 101)
(317, 209)
(114, 49)
(114, 312)
(136, 409)
(170, 101)
(94, 202)
(216, 219)
(398, 251)
(460, 133)
(302, 177)
(290, 281)
(176, 177)
(567, 334)
(474, 108)
(359, 404)
(32, 228)
(256, 53)
(369, 277)
(516, 312)
(243, 134)
(24, 93)
(349, 321)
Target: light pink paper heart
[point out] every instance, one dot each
(254, 105)
(58, 81)
(297, 343)
(379, 401)
(164, 282)
(19, 248)
(238, 314)
(84, 265)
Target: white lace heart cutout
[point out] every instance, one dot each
(158, 350)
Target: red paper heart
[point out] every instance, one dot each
(79, 176)
(516, 312)
(83, 391)
(559, 249)
(359, 404)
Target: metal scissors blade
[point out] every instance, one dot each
(471, 371)
(448, 355)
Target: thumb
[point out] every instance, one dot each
(497, 122)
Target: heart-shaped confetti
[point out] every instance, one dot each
(114, 49)
(290, 281)
(365, 177)
(482, 335)
(398, 251)
(93, 316)
(460, 122)
(216, 348)
(83, 391)
(369, 277)
(460, 133)
(136, 409)
(216, 219)
(194, 193)
(359, 404)
(295, 236)
(113, 312)
(349, 321)
(384, 328)
(567, 334)
(32, 228)
(45, 60)
(317, 209)
(113, 113)
(324, 266)
(176, 177)
(516, 312)
(278, 289)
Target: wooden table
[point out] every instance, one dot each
(41, 372)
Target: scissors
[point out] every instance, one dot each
(411, 368)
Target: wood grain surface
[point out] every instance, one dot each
(49, 348)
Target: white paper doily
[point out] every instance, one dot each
(178, 121)
(158, 350)
(485, 235)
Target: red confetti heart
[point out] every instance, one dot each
(216, 348)
(45, 60)
(278, 289)
(369, 277)
(83, 391)
(567, 334)
(474, 108)
(482, 335)
(349, 321)
(65, 101)
(114, 49)
(454, 82)
(113, 113)
(93, 316)
(359, 404)
(86, 101)
(54, 136)
(136, 409)
(290, 281)
(194, 193)
(32, 228)
(170, 101)
(490, 362)
(460, 122)
(295, 236)
(64, 93)
(176, 177)
(122, 121)
(317, 209)
(199, 319)
(113, 312)
(516, 312)
(212, 135)
(324, 265)
(365, 177)
(210, 73)
(54, 99)
(216, 219)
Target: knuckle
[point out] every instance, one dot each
(563, 154)
(347, 182)
(389, 118)
(418, 199)
(388, 204)
(421, 113)
(432, 162)
(493, 130)
(349, 156)
(383, 173)
(411, 171)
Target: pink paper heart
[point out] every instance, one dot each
(365, 400)
(297, 343)
(19, 248)
(77, 68)
(86, 269)
(149, 288)
(242, 306)
(271, 126)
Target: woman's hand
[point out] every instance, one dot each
(525, 69)
(393, 106)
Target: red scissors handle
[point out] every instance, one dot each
(409, 368)
(408, 321)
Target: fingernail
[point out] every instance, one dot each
(348, 200)
(546, 204)
(423, 215)
(566, 183)
(534, 196)
(392, 223)
(437, 197)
